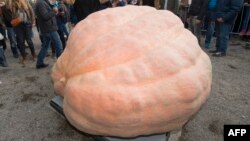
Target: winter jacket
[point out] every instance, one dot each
(228, 10)
(45, 16)
(198, 8)
(7, 16)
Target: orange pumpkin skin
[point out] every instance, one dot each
(131, 71)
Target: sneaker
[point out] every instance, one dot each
(212, 51)
(219, 54)
(42, 66)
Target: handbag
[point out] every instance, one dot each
(16, 21)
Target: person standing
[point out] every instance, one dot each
(46, 13)
(62, 18)
(23, 10)
(195, 16)
(210, 19)
(183, 10)
(226, 13)
(7, 16)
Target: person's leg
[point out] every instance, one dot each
(2, 57)
(4, 43)
(53, 50)
(222, 33)
(61, 35)
(217, 31)
(57, 42)
(28, 37)
(209, 34)
(2, 31)
(224, 37)
(197, 30)
(12, 39)
(245, 21)
(65, 30)
(21, 41)
(191, 24)
(42, 53)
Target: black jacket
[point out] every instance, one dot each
(198, 8)
(85, 7)
(7, 16)
(46, 17)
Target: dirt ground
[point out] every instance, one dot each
(25, 92)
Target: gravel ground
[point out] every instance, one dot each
(25, 93)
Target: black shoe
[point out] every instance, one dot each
(212, 51)
(42, 66)
(219, 54)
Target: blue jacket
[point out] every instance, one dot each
(228, 10)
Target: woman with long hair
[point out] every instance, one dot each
(23, 10)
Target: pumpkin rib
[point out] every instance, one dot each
(105, 32)
(151, 81)
(122, 134)
(110, 65)
(97, 39)
(135, 59)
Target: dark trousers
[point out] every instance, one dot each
(24, 33)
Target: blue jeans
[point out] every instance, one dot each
(47, 39)
(24, 33)
(209, 34)
(63, 28)
(222, 34)
(12, 39)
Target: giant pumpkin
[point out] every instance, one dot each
(131, 71)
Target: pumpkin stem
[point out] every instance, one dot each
(63, 80)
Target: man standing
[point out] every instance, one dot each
(226, 13)
(210, 21)
(46, 12)
(196, 14)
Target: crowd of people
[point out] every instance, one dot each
(55, 18)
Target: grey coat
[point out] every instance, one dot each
(46, 17)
